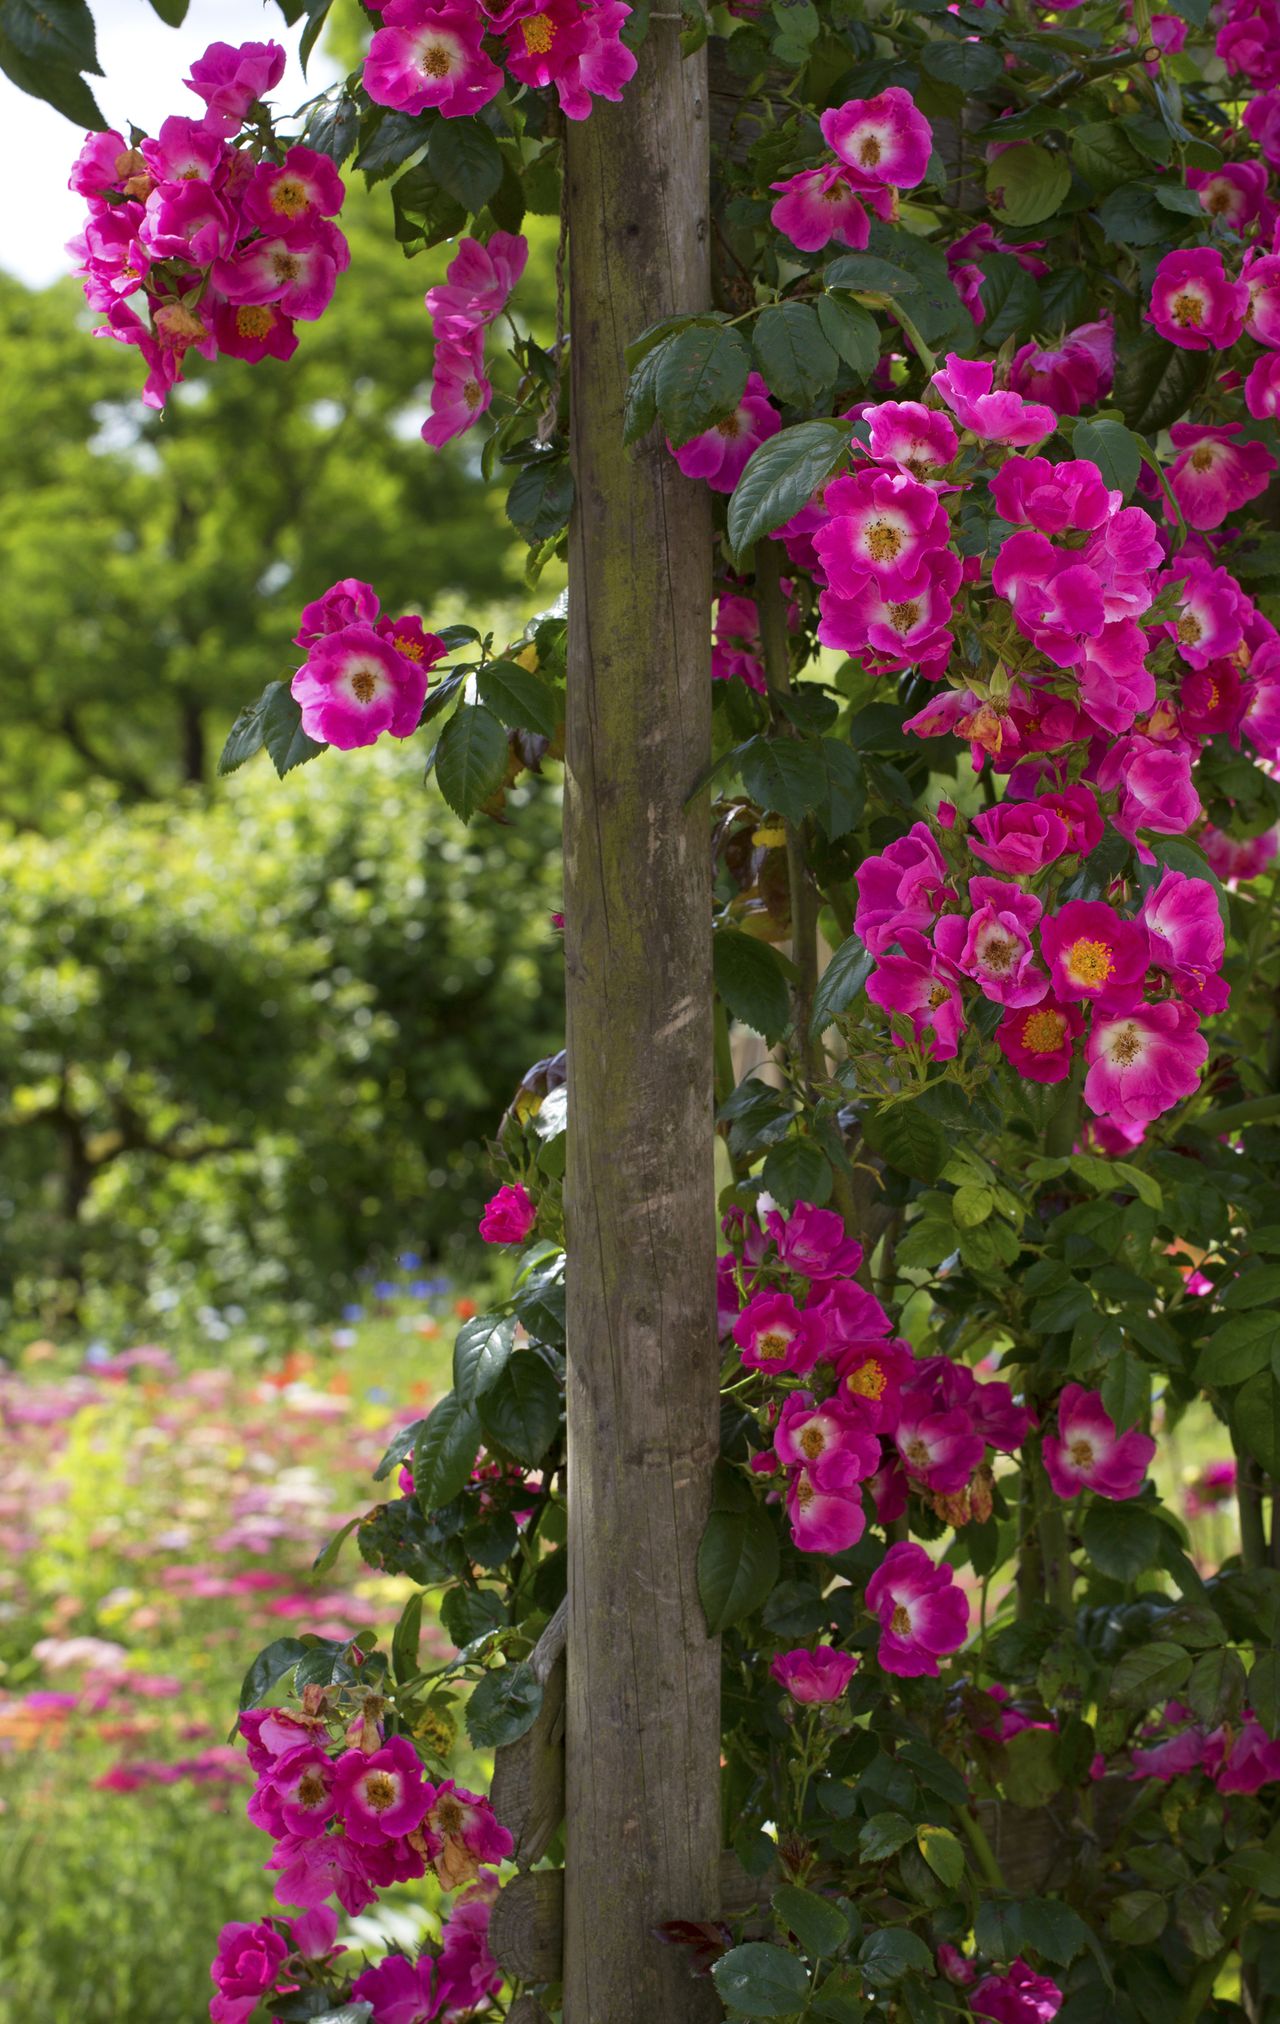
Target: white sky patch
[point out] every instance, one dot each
(144, 64)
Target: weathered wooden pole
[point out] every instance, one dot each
(642, 1721)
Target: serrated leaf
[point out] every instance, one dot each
(1215, 1690)
(280, 1657)
(1238, 1350)
(521, 1409)
(445, 1452)
(1126, 1390)
(751, 980)
(782, 475)
(1010, 298)
(797, 1171)
(471, 759)
(841, 982)
(784, 776)
(883, 1835)
(465, 160)
(819, 1925)
(844, 793)
(737, 1565)
(1156, 382)
(700, 377)
(480, 1354)
(888, 1956)
(503, 1705)
(1150, 1673)
(1027, 184)
(1122, 1540)
(943, 1854)
(909, 1140)
(798, 364)
(520, 698)
(852, 333)
(1255, 1416)
(59, 85)
(1111, 446)
(640, 409)
(970, 67)
(541, 499)
(757, 1980)
(55, 34)
(287, 743)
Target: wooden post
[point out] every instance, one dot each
(642, 1712)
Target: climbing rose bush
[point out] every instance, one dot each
(986, 402)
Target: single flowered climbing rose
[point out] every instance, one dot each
(922, 1614)
(353, 686)
(773, 1335)
(1087, 1453)
(1092, 952)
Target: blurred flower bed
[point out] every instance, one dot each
(158, 1525)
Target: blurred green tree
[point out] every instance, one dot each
(247, 1049)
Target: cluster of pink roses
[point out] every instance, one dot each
(231, 243)
(346, 1824)
(1143, 979)
(878, 147)
(1238, 1756)
(364, 673)
(858, 1412)
(475, 291)
(432, 54)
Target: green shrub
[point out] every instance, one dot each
(247, 1050)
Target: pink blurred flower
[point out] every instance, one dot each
(1088, 1454)
(245, 1967)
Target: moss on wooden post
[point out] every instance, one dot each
(642, 1730)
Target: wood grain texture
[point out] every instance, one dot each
(527, 1792)
(642, 1722)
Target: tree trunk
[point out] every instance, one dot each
(642, 1732)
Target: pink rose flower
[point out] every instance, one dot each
(820, 205)
(468, 1973)
(401, 1991)
(846, 1313)
(1038, 1040)
(906, 630)
(1088, 1454)
(1143, 1060)
(940, 1449)
(1053, 498)
(871, 1377)
(882, 139)
(1194, 302)
(1234, 192)
(381, 1793)
(1070, 377)
(922, 1613)
(1262, 388)
(349, 602)
(816, 1677)
(720, 454)
(1019, 837)
(883, 525)
(1091, 952)
(1018, 1996)
(424, 55)
(579, 50)
(773, 1335)
(808, 1433)
(899, 887)
(914, 980)
(993, 946)
(353, 687)
(229, 79)
(509, 1215)
(1185, 929)
(247, 1963)
(920, 441)
(1057, 597)
(1214, 474)
(1156, 788)
(966, 387)
(824, 1504)
(292, 193)
(814, 1242)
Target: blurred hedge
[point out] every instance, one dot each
(248, 1048)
